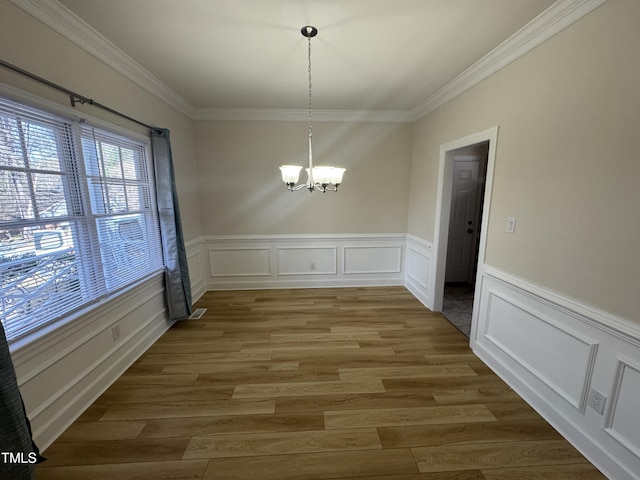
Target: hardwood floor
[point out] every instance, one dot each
(354, 383)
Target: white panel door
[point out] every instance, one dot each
(462, 228)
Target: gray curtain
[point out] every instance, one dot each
(19, 453)
(177, 284)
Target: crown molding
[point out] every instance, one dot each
(58, 17)
(299, 115)
(558, 16)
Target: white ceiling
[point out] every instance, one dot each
(389, 55)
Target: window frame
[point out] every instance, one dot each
(80, 210)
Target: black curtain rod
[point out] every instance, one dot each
(73, 96)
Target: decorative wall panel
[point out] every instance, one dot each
(307, 260)
(555, 355)
(364, 259)
(239, 262)
(624, 420)
(419, 270)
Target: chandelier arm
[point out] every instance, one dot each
(321, 187)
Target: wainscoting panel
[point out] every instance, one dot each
(419, 269)
(291, 261)
(523, 334)
(624, 419)
(365, 259)
(553, 351)
(239, 262)
(195, 262)
(308, 260)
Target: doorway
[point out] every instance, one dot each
(464, 195)
(463, 242)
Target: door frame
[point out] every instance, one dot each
(443, 210)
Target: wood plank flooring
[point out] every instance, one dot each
(312, 384)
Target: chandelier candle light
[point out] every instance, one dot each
(318, 178)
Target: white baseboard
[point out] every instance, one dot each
(553, 350)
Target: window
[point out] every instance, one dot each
(77, 217)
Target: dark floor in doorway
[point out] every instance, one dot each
(457, 305)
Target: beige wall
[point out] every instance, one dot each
(241, 191)
(29, 44)
(566, 165)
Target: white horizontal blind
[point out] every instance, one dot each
(72, 231)
(122, 206)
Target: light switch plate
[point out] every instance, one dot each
(511, 225)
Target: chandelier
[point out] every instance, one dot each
(322, 179)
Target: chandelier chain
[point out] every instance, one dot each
(309, 55)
